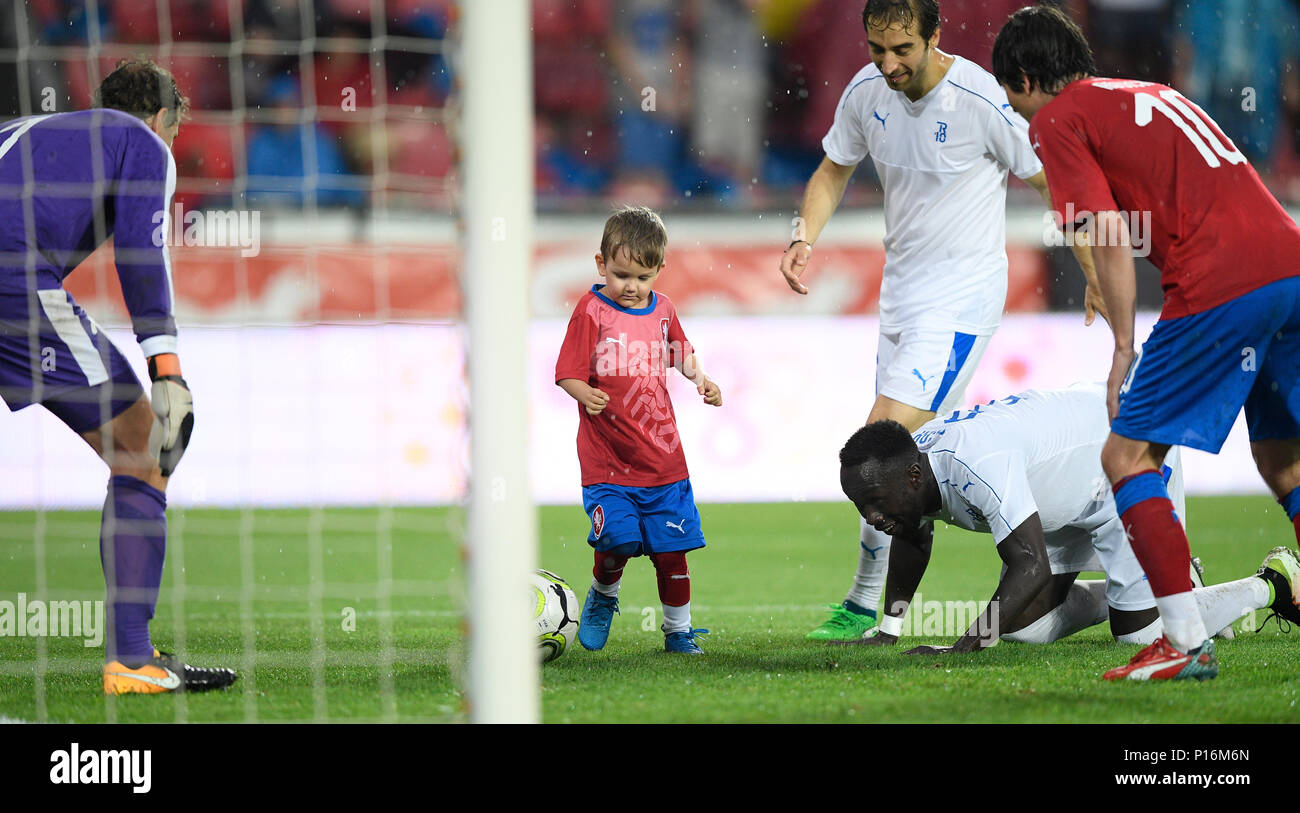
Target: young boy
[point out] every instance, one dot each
(635, 487)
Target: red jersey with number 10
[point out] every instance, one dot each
(1190, 197)
(626, 353)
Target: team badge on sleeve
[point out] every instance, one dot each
(597, 521)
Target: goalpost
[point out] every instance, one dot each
(498, 196)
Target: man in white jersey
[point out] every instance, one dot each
(1026, 470)
(942, 138)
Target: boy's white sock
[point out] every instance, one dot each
(677, 619)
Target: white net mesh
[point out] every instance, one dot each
(315, 523)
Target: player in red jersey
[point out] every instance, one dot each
(1142, 168)
(622, 338)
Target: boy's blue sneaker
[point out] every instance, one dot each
(597, 612)
(684, 642)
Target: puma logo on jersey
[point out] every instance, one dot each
(678, 526)
(877, 117)
(612, 340)
(925, 382)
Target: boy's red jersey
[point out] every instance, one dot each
(626, 353)
(1139, 147)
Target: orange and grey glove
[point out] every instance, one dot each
(173, 409)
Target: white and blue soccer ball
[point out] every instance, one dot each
(555, 608)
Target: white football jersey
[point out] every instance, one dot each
(943, 163)
(1037, 452)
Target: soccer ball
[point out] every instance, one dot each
(555, 609)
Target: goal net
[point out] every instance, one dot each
(319, 525)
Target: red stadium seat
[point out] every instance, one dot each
(205, 164)
(551, 22)
(596, 17)
(413, 94)
(569, 80)
(201, 20)
(206, 150)
(204, 79)
(556, 22)
(135, 22)
(421, 149)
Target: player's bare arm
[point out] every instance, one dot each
(711, 392)
(1112, 253)
(1024, 552)
(887, 409)
(909, 556)
(592, 399)
(1093, 305)
(820, 198)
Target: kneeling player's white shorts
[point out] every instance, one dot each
(1099, 543)
(928, 369)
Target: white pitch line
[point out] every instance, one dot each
(746, 608)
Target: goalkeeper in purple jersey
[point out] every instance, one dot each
(71, 181)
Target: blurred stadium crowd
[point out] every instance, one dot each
(676, 103)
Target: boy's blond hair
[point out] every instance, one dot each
(638, 231)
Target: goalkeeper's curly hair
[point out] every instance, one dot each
(886, 442)
(142, 87)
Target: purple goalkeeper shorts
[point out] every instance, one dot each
(53, 354)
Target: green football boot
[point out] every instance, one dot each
(844, 626)
(1281, 569)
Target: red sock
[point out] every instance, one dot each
(609, 568)
(1296, 523)
(674, 578)
(1157, 537)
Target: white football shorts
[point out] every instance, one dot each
(1099, 544)
(928, 369)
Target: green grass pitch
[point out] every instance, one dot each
(253, 594)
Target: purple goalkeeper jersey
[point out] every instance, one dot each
(71, 180)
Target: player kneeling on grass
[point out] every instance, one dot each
(635, 486)
(1027, 470)
(79, 178)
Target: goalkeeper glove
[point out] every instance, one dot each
(173, 408)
